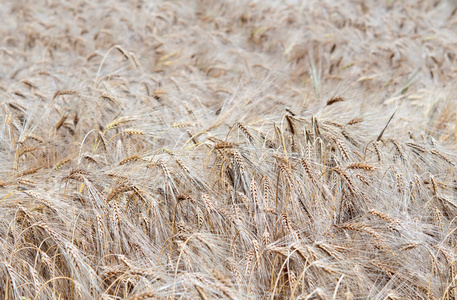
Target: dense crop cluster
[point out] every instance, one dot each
(228, 150)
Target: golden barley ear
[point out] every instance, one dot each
(308, 170)
(61, 121)
(355, 121)
(122, 51)
(135, 60)
(254, 192)
(224, 145)
(111, 99)
(399, 149)
(334, 100)
(342, 147)
(442, 156)
(117, 123)
(244, 130)
(291, 124)
(64, 92)
(361, 166)
(238, 160)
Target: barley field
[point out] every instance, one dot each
(207, 149)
